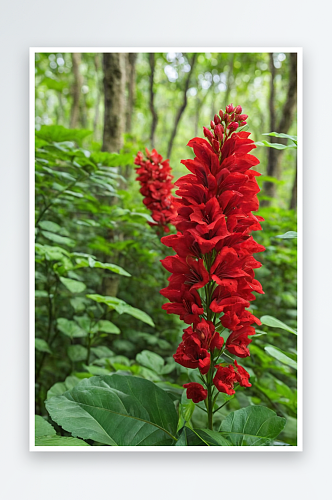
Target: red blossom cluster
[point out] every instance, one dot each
(213, 279)
(155, 177)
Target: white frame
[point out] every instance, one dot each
(210, 449)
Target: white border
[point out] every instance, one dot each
(210, 449)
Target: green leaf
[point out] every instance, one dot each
(70, 328)
(106, 326)
(212, 438)
(150, 360)
(117, 410)
(111, 267)
(122, 307)
(186, 409)
(49, 226)
(58, 133)
(275, 145)
(284, 136)
(275, 323)
(102, 351)
(252, 426)
(42, 427)
(59, 441)
(289, 234)
(62, 240)
(77, 352)
(42, 346)
(281, 356)
(73, 286)
(56, 390)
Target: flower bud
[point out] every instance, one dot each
(227, 118)
(212, 124)
(232, 116)
(243, 123)
(233, 126)
(229, 108)
(242, 117)
(208, 134)
(221, 114)
(216, 145)
(219, 132)
(217, 119)
(238, 110)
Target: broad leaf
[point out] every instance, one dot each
(60, 387)
(275, 145)
(117, 410)
(58, 133)
(284, 136)
(252, 426)
(73, 285)
(275, 323)
(42, 346)
(61, 240)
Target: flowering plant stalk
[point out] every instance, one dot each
(213, 279)
(155, 178)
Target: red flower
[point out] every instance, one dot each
(224, 379)
(242, 376)
(189, 272)
(155, 177)
(191, 355)
(213, 271)
(196, 392)
(238, 341)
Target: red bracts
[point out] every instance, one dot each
(213, 278)
(155, 177)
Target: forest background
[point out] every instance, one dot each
(130, 101)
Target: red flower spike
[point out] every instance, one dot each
(154, 176)
(213, 271)
(196, 392)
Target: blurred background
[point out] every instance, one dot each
(93, 113)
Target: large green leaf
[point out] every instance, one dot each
(276, 323)
(282, 356)
(73, 286)
(121, 307)
(61, 240)
(90, 262)
(106, 326)
(60, 387)
(116, 410)
(252, 426)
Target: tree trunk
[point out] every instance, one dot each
(97, 106)
(114, 96)
(152, 106)
(76, 90)
(131, 78)
(181, 108)
(275, 155)
(114, 65)
(293, 200)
